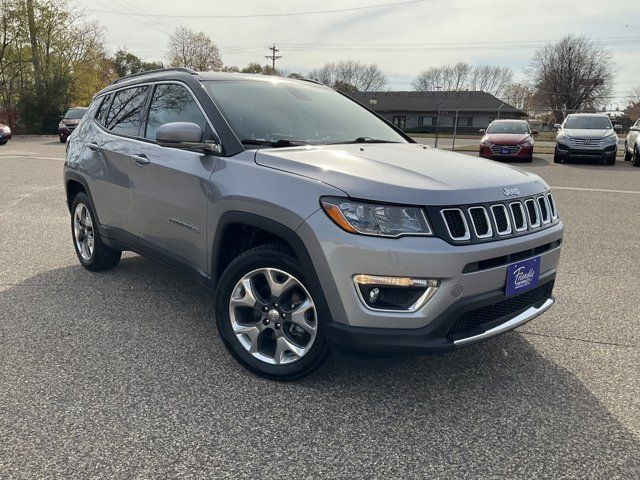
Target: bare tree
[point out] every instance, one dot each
(350, 75)
(633, 106)
(463, 76)
(521, 96)
(492, 79)
(572, 74)
(193, 50)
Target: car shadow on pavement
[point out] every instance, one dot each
(123, 373)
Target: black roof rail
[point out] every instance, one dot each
(310, 80)
(157, 70)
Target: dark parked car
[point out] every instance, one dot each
(507, 139)
(5, 134)
(70, 121)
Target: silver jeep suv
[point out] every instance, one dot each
(319, 225)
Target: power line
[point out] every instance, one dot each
(260, 15)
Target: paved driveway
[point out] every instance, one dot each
(122, 374)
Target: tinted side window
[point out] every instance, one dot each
(125, 113)
(172, 103)
(101, 114)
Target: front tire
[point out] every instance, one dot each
(636, 157)
(557, 158)
(63, 139)
(268, 316)
(93, 254)
(627, 154)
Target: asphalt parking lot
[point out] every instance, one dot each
(122, 374)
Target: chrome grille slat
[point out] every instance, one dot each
(519, 220)
(451, 216)
(543, 207)
(481, 224)
(501, 218)
(533, 215)
(552, 205)
(497, 149)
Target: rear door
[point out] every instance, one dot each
(119, 128)
(169, 192)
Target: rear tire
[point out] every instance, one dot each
(92, 253)
(273, 328)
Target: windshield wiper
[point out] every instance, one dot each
(366, 140)
(273, 143)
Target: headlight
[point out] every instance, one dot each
(527, 143)
(486, 143)
(563, 136)
(376, 219)
(613, 136)
(61, 125)
(6, 129)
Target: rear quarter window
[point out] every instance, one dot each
(101, 114)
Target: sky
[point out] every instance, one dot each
(402, 36)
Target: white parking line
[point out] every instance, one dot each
(601, 190)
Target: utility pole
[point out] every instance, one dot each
(273, 57)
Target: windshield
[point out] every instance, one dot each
(260, 112)
(588, 123)
(75, 113)
(508, 127)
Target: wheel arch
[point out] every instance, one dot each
(239, 231)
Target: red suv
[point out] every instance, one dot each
(69, 122)
(507, 139)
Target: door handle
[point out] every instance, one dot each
(93, 146)
(140, 159)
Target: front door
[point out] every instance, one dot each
(170, 186)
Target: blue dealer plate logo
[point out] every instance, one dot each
(523, 276)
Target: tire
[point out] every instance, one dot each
(63, 139)
(3, 142)
(627, 154)
(529, 159)
(557, 158)
(253, 331)
(93, 254)
(636, 157)
(610, 161)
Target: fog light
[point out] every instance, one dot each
(402, 294)
(374, 294)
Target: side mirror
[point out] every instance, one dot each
(482, 130)
(534, 132)
(184, 135)
(557, 126)
(617, 127)
(635, 129)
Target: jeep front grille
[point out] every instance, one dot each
(485, 222)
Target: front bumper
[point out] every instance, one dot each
(523, 153)
(337, 256)
(444, 334)
(608, 152)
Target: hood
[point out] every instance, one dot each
(507, 138)
(587, 133)
(403, 173)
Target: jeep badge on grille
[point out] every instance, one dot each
(511, 192)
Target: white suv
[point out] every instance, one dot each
(586, 135)
(631, 146)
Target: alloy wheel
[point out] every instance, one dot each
(273, 316)
(83, 231)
